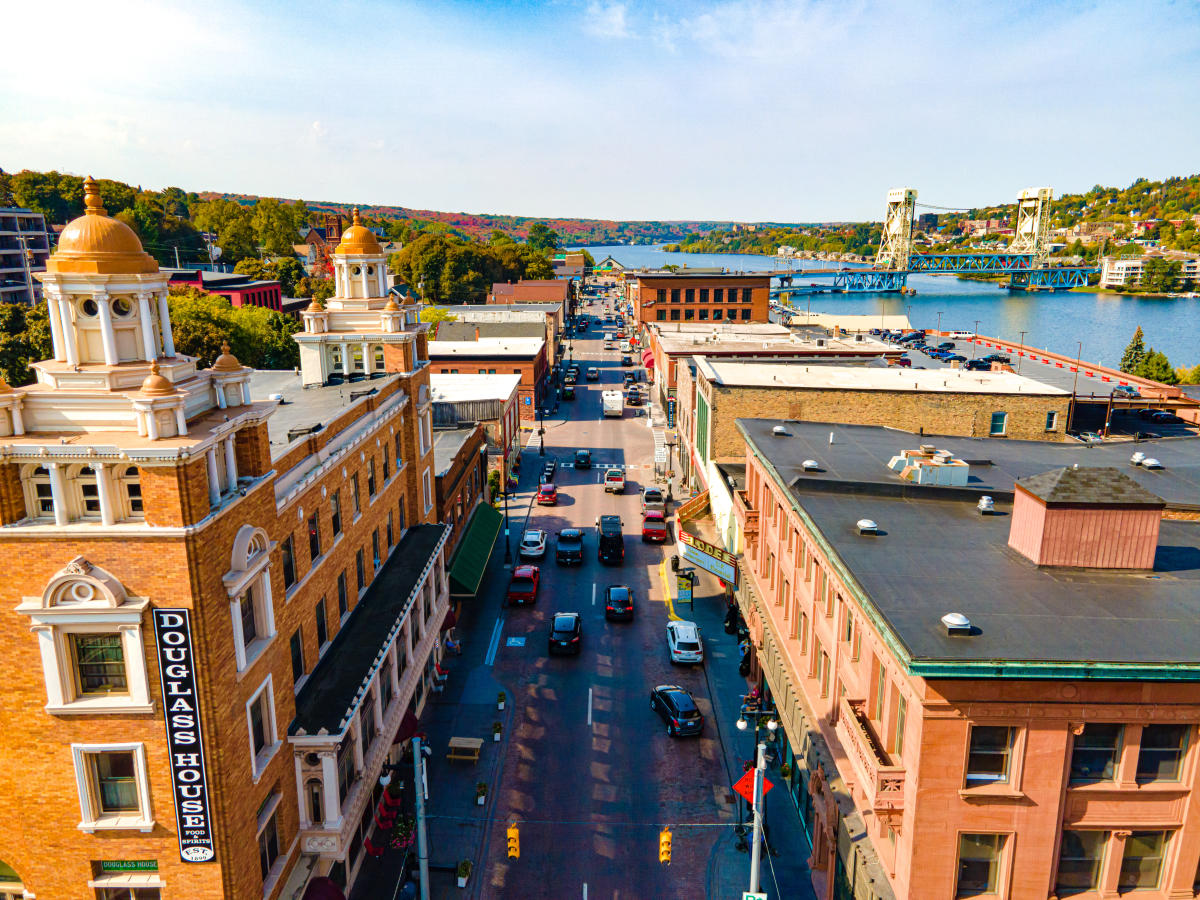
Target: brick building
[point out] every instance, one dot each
(996, 705)
(692, 297)
(490, 400)
(509, 320)
(526, 357)
(460, 468)
(529, 291)
(239, 290)
(220, 605)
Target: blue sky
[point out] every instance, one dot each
(721, 109)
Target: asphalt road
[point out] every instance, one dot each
(589, 772)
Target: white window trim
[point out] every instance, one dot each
(427, 488)
(257, 572)
(91, 819)
(1004, 425)
(259, 762)
(116, 881)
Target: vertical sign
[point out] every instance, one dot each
(683, 588)
(181, 710)
(671, 413)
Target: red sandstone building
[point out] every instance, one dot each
(684, 297)
(222, 604)
(978, 699)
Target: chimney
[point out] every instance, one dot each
(476, 332)
(1090, 518)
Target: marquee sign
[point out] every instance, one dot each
(709, 558)
(181, 710)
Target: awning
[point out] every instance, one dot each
(648, 359)
(322, 888)
(474, 548)
(450, 621)
(408, 727)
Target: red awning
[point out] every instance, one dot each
(648, 359)
(408, 727)
(322, 888)
(449, 621)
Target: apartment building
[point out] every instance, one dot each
(24, 248)
(977, 698)
(1116, 272)
(222, 603)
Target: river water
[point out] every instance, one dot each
(1057, 321)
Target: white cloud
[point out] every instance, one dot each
(607, 20)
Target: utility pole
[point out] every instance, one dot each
(756, 829)
(1022, 351)
(975, 340)
(422, 843)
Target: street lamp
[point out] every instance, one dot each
(763, 718)
(385, 778)
(939, 323)
(507, 543)
(975, 339)
(1021, 353)
(541, 430)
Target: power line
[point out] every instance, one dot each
(591, 823)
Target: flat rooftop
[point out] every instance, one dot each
(447, 442)
(519, 347)
(936, 554)
(860, 453)
(304, 407)
(869, 378)
(473, 309)
(718, 338)
(465, 387)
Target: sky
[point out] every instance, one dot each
(747, 110)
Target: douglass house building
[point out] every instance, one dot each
(223, 593)
(979, 697)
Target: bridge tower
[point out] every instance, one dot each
(1032, 226)
(895, 245)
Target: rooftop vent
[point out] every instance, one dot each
(294, 433)
(1137, 459)
(1151, 463)
(811, 465)
(859, 338)
(779, 431)
(821, 342)
(278, 398)
(867, 526)
(956, 624)
(928, 448)
(986, 505)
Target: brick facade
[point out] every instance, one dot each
(692, 298)
(463, 485)
(533, 372)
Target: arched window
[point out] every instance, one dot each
(39, 498)
(85, 490)
(131, 492)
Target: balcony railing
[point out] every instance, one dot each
(882, 782)
(746, 515)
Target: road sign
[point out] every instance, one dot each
(745, 786)
(753, 895)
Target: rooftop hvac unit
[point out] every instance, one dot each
(867, 526)
(928, 448)
(956, 623)
(821, 342)
(986, 506)
(810, 465)
(860, 338)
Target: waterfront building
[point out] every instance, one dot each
(222, 602)
(1127, 271)
(524, 356)
(661, 297)
(490, 400)
(976, 698)
(24, 248)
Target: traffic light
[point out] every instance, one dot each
(514, 842)
(664, 846)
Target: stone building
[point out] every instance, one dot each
(222, 600)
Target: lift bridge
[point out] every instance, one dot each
(1026, 261)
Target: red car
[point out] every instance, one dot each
(547, 495)
(523, 587)
(654, 527)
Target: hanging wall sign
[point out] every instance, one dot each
(181, 710)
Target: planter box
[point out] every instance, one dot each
(479, 801)
(496, 736)
(462, 882)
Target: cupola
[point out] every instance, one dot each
(97, 244)
(358, 240)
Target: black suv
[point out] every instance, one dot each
(611, 544)
(569, 551)
(618, 603)
(583, 459)
(566, 633)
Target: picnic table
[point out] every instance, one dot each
(465, 748)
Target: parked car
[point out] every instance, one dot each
(614, 481)
(998, 358)
(523, 586)
(954, 357)
(568, 392)
(946, 345)
(610, 544)
(547, 495)
(1146, 414)
(569, 551)
(683, 642)
(1166, 418)
(676, 707)
(618, 602)
(654, 527)
(1126, 392)
(653, 500)
(634, 397)
(904, 362)
(1090, 437)
(572, 378)
(978, 365)
(593, 374)
(627, 360)
(533, 544)
(566, 633)
(549, 468)
(583, 459)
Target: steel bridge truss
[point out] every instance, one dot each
(1051, 279)
(954, 263)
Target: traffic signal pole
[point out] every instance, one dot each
(756, 830)
(422, 842)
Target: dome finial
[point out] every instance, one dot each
(355, 218)
(93, 204)
(226, 362)
(155, 385)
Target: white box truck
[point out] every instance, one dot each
(614, 403)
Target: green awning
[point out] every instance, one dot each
(474, 549)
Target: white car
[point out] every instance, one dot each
(683, 642)
(533, 544)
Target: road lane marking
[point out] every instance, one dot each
(495, 644)
(662, 571)
(593, 593)
(585, 890)
(589, 707)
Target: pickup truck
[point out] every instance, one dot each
(614, 481)
(614, 403)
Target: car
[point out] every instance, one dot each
(610, 543)
(571, 378)
(627, 360)
(998, 358)
(614, 481)
(593, 374)
(653, 500)
(954, 357)
(1126, 392)
(549, 467)
(547, 495)
(683, 642)
(569, 551)
(533, 544)
(1090, 437)
(610, 345)
(676, 707)
(626, 347)
(946, 345)
(1146, 414)
(978, 365)
(566, 633)
(583, 459)
(568, 392)
(904, 362)
(654, 527)
(634, 397)
(1166, 418)
(618, 602)
(523, 586)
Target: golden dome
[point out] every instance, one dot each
(5, 387)
(315, 306)
(226, 362)
(95, 244)
(391, 306)
(155, 385)
(358, 240)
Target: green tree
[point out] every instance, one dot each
(317, 288)
(255, 268)
(232, 224)
(289, 273)
(7, 198)
(24, 339)
(1161, 276)
(542, 237)
(1157, 367)
(436, 315)
(274, 226)
(258, 337)
(1135, 353)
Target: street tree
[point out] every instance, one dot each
(1135, 353)
(1157, 367)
